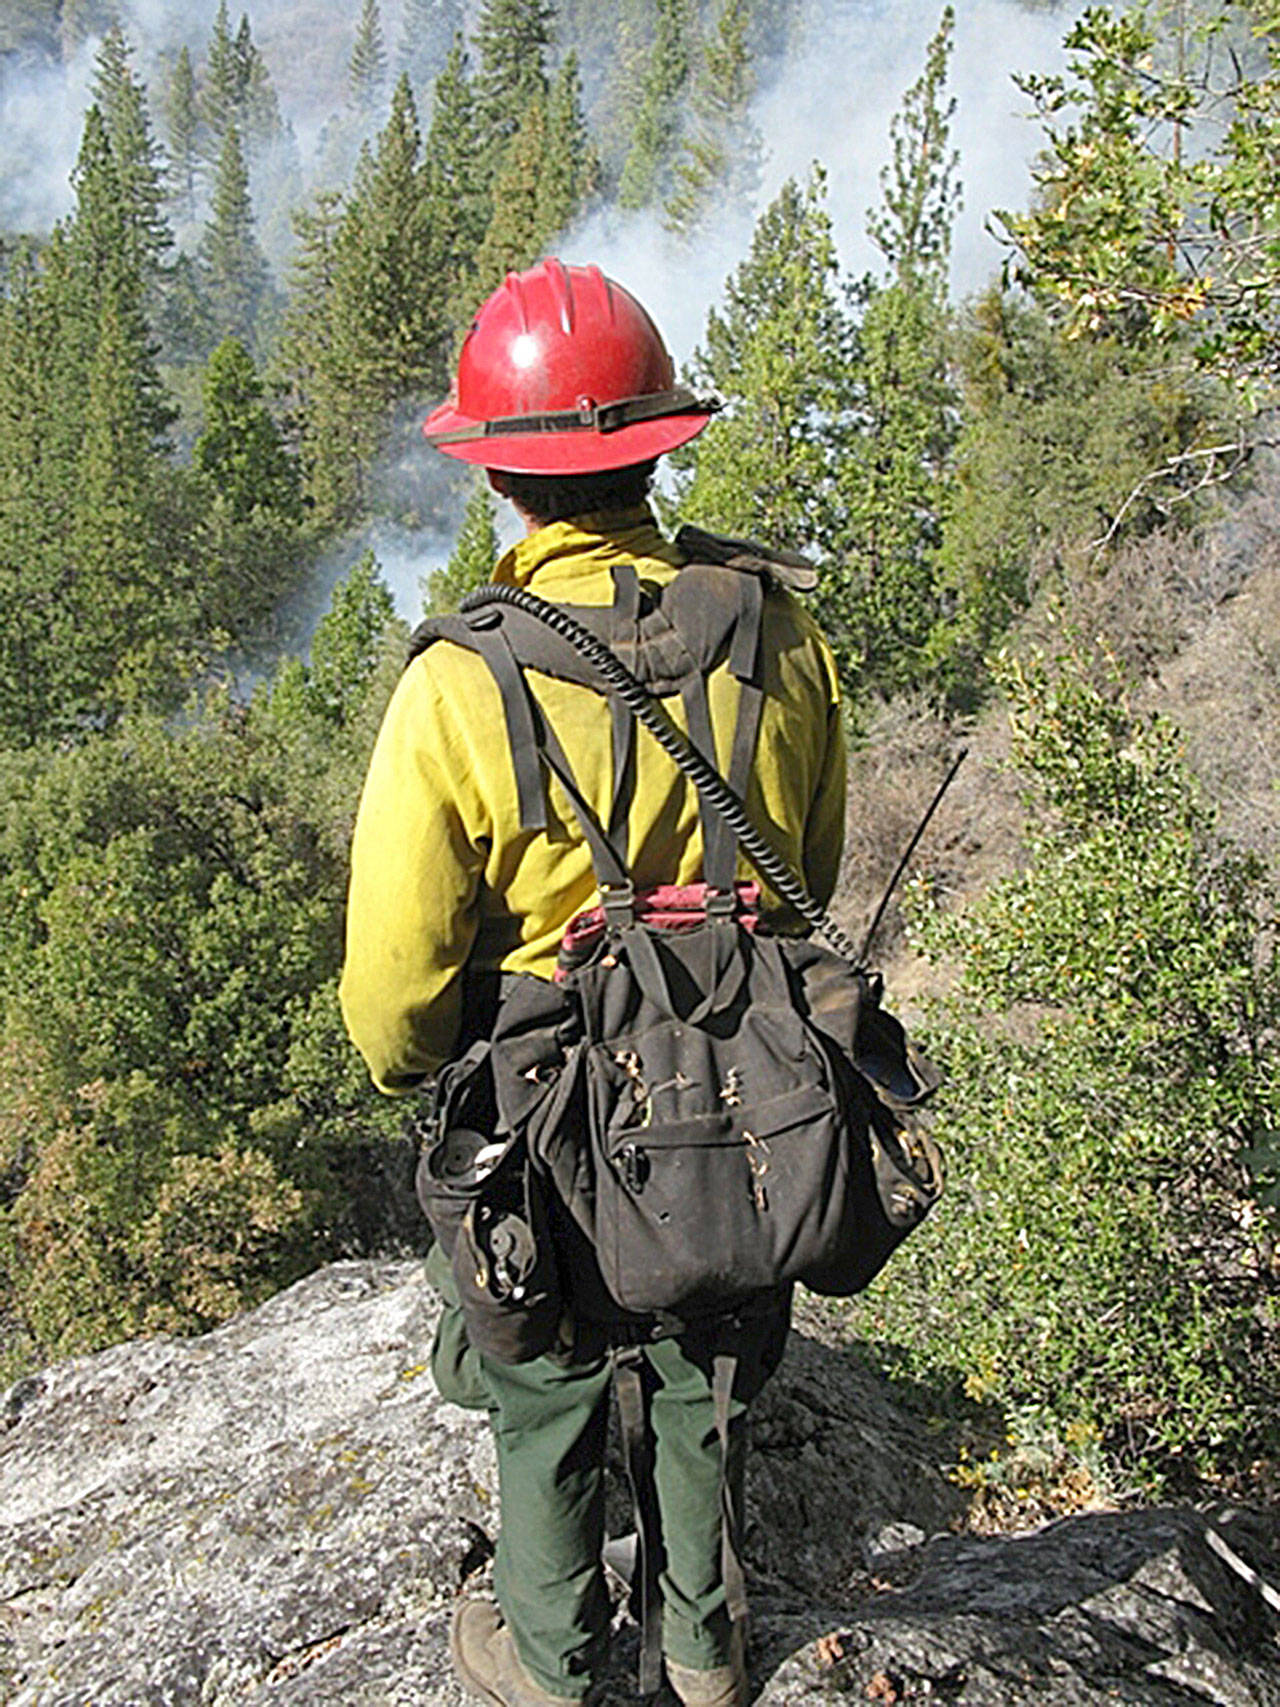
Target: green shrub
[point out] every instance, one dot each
(1101, 1263)
(183, 1124)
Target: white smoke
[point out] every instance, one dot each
(41, 117)
(832, 102)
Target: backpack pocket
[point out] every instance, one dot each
(486, 1202)
(718, 1165)
(504, 1264)
(462, 1142)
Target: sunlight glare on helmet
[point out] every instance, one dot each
(524, 350)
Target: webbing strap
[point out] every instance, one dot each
(724, 1371)
(589, 418)
(626, 637)
(522, 718)
(637, 1452)
(716, 836)
(720, 845)
(744, 657)
(609, 866)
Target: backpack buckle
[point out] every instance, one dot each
(618, 902)
(720, 903)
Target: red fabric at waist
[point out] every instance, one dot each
(668, 907)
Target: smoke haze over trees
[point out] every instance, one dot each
(237, 253)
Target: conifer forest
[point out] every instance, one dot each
(1017, 399)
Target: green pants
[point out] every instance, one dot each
(549, 1421)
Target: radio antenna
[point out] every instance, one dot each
(921, 827)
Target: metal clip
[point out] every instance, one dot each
(634, 1165)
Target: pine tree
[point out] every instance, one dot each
(120, 101)
(82, 470)
(474, 554)
(780, 352)
(647, 174)
(105, 250)
(366, 325)
(457, 204)
(109, 463)
(897, 473)
(720, 162)
(515, 234)
(121, 592)
(512, 38)
(348, 641)
(40, 673)
(387, 326)
(232, 266)
(257, 109)
(240, 450)
(569, 167)
(367, 71)
(221, 92)
(920, 195)
(302, 361)
(181, 119)
(427, 33)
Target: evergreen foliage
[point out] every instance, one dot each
(240, 450)
(454, 183)
(512, 38)
(427, 32)
(1056, 435)
(363, 330)
(895, 483)
(514, 236)
(233, 270)
(919, 193)
(570, 170)
(720, 163)
(647, 173)
(367, 71)
(122, 105)
(258, 109)
(237, 89)
(896, 478)
(474, 556)
(221, 91)
(780, 353)
(181, 120)
(179, 1116)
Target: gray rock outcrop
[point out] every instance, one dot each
(283, 1512)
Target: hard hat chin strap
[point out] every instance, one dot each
(588, 417)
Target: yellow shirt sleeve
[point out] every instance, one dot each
(419, 848)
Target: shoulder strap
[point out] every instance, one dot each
(721, 799)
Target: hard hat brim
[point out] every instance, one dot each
(582, 451)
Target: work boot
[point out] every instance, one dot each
(722, 1686)
(484, 1656)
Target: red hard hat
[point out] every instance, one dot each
(563, 372)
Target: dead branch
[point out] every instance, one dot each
(1220, 461)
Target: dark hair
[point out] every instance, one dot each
(556, 497)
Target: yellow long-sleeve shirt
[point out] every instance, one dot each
(441, 872)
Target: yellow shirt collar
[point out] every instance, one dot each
(585, 544)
